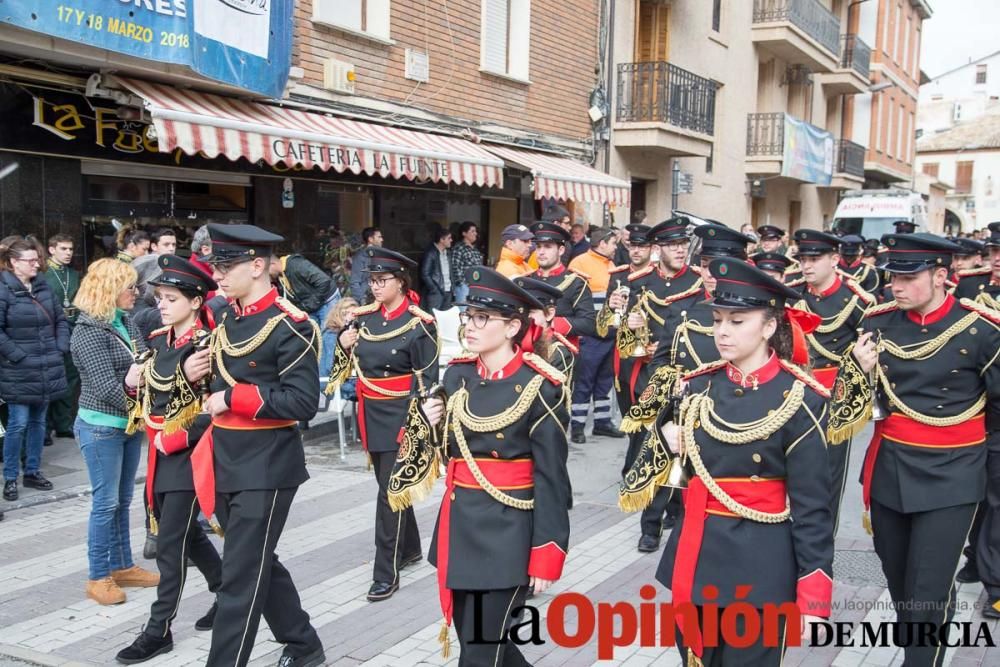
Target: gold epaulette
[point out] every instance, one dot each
(366, 309)
(990, 314)
(793, 267)
(978, 271)
(619, 269)
(691, 291)
(547, 370)
(882, 308)
(856, 287)
(580, 273)
(290, 309)
(710, 367)
(798, 282)
(641, 273)
(416, 311)
(567, 281)
(466, 358)
(809, 380)
(160, 331)
(565, 341)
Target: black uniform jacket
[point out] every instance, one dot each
(173, 469)
(945, 383)
(271, 361)
(978, 284)
(866, 275)
(493, 546)
(842, 308)
(575, 308)
(409, 349)
(790, 561)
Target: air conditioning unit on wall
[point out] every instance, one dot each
(338, 76)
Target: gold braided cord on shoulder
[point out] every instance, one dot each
(457, 409)
(841, 318)
(955, 420)
(366, 334)
(644, 301)
(508, 417)
(221, 345)
(567, 281)
(990, 302)
(670, 298)
(886, 307)
(743, 433)
(154, 380)
(805, 377)
(691, 413)
(933, 346)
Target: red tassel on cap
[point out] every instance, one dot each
(802, 323)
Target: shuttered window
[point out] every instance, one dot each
(963, 177)
(931, 169)
(506, 28)
(652, 39)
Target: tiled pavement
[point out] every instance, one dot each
(327, 545)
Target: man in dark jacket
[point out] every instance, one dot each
(64, 281)
(303, 283)
(34, 336)
(370, 236)
(435, 272)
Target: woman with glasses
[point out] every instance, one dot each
(34, 336)
(391, 345)
(503, 527)
(105, 345)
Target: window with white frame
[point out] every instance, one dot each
(506, 28)
(366, 17)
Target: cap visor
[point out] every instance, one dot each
(908, 267)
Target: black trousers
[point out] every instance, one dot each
(920, 553)
(755, 655)
(664, 502)
(62, 411)
(985, 539)
(254, 582)
(179, 538)
(397, 537)
(840, 458)
(481, 619)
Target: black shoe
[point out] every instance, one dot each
(10, 489)
(381, 591)
(411, 560)
(669, 522)
(206, 621)
(578, 436)
(65, 434)
(607, 430)
(145, 647)
(649, 543)
(47, 442)
(969, 574)
(315, 658)
(36, 481)
(149, 548)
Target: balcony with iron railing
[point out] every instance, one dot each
(799, 32)
(766, 150)
(661, 105)
(856, 55)
(850, 158)
(852, 75)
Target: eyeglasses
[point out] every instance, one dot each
(379, 282)
(479, 320)
(676, 243)
(225, 267)
(32, 260)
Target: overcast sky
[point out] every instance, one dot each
(959, 31)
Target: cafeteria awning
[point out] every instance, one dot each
(562, 178)
(215, 125)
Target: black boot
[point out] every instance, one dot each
(10, 490)
(969, 574)
(36, 481)
(149, 548)
(649, 543)
(145, 647)
(607, 429)
(312, 659)
(381, 590)
(578, 435)
(208, 620)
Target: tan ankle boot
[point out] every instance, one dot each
(105, 591)
(136, 577)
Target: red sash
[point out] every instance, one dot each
(506, 475)
(203, 460)
(826, 376)
(394, 383)
(900, 428)
(765, 495)
(151, 459)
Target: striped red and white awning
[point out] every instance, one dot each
(562, 178)
(214, 125)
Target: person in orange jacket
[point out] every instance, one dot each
(516, 248)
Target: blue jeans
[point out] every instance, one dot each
(25, 430)
(112, 458)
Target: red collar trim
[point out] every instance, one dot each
(183, 339)
(555, 271)
(837, 282)
(937, 314)
(853, 265)
(402, 308)
(674, 276)
(512, 366)
(261, 304)
(765, 373)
